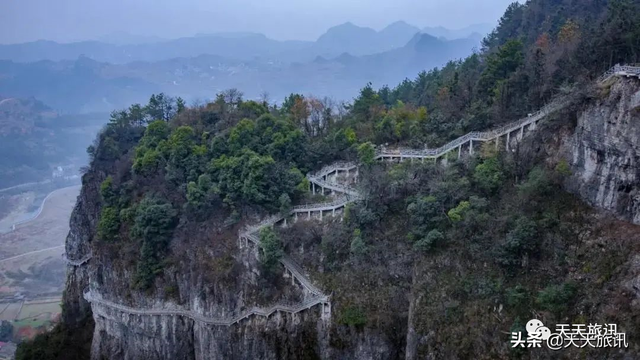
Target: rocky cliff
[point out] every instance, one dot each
(211, 276)
(604, 149)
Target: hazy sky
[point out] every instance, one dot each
(68, 20)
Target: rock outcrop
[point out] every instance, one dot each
(604, 150)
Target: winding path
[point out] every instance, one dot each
(37, 214)
(327, 179)
(31, 253)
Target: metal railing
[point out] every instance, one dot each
(478, 136)
(78, 262)
(222, 321)
(620, 70)
(333, 186)
(328, 169)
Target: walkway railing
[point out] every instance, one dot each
(620, 70)
(78, 262)
(221, 321)
(339, 165)
(473, 136)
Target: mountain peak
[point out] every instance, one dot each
(400, 25)
(348, 27)
(347, 33)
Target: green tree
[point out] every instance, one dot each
(271, 249)
(500, 66)
(367, 105)
(430, 241)
(200, 195)
(358, 246)
(108, 192)
(285, 204)
(557, 298)
(366, 154)
(161, 107)
(489, 175)
(425, 214)
(180, 105)
(521, 241)
(109, 224)
(154, 223)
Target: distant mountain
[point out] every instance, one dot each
(85, 85)
(397, 34)
(122, 47)
(347, 37)
(356, 40)
(34, 139)
(475, 31)
(19, 116)
(422, 52)
(240, 47)
(125, 38)
(230, 34)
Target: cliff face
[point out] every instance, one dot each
(604, 150)
(211, 276)
(194, 283)
(83, 222)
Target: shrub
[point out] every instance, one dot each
(563, 168)
(425, 214)
(430, 241)
(521, 240)
(489, 175)
(107, 191)
(154, 222)
(538, 184)
(517, 296)
(353, 316)
(358, 247)
(271, 249)
(285, 204)
(366, 153)
(456, 214)
(109, 224)
(557, 298)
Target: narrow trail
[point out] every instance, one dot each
(37, 214)
(30, 253)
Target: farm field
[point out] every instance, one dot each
(31, 263)
(30, 318)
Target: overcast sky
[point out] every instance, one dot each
(69, 20)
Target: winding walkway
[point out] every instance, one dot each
(327, 179)
(219, 321)
(78, 262)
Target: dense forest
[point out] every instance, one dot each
(172, 168)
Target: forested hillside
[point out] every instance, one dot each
(434, 261)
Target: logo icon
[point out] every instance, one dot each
(537, 330)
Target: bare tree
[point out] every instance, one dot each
(232, 96)
(264, 98)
